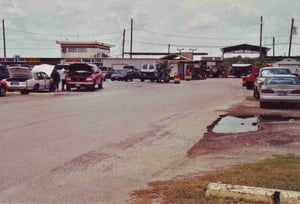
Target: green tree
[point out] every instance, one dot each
(164, 71)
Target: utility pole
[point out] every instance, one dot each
(169, 46)
(193, 49)
(179, 50)
(131, 38)
(273, 49)
(260, 37)
(4, 43)
(291, 34)
(123, 44)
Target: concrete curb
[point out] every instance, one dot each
(38, 93)
(253, 194)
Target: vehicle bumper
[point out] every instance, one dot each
(79, 84)
(285, 99)
(17, 88)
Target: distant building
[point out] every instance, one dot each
(293, 64)
(80, 50)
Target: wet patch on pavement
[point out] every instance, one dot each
(234, 124)
(240, 131)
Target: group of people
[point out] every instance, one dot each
(58, 76)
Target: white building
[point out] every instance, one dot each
(82, 50)
(294, 65)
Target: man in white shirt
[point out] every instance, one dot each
(62, 74)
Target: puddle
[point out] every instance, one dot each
(235, 124)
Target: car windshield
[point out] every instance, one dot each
(120, 71)
(268, 72)
(282, 81)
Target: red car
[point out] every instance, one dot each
(3, 88)
(84, 75)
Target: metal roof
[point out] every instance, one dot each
(244, 48)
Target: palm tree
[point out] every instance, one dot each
(164, 71)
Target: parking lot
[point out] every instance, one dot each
(98, 146)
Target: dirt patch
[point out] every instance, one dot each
(277, 127)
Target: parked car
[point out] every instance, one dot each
(106, 72)
(40, 81)
(135, 71)
(84, 75)
(280, 88)
(122, 75)
(3, 88)
(263, 73)
(3, 72)
(17, 80)
(149, 72)
(249, 80)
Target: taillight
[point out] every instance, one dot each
(68, 78)
(297, 91)
(267, 91)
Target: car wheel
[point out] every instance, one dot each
(249, 85)
(263, 104)
(142, 80)
(36, 88)
(68, 87)
(92, 87)
(100, 86)
(24, 92)
(2, 91)
(255, 94)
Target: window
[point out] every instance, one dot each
(82, 49)
(72, 49)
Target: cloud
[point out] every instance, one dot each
(35, 25)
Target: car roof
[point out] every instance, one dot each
(274, 68)
(281, 75)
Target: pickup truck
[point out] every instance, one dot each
(84, 75)
(249, 80)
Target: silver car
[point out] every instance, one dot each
(280, 88)
(263, 73)
(40, 81)
(17, 80)
(22, 79)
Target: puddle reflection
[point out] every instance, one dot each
(234, 124)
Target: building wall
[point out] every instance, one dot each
(118, 63)
(294, 65)
(84, 52)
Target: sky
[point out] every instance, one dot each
(32, 27)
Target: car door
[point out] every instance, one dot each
(40, 80)
(47, 81)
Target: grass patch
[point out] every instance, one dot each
(279, 172)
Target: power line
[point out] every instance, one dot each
(180, 45)
(59, 35)
(205, 38)
(29, 48)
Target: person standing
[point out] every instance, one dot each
(62, 74)
(56, 78)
